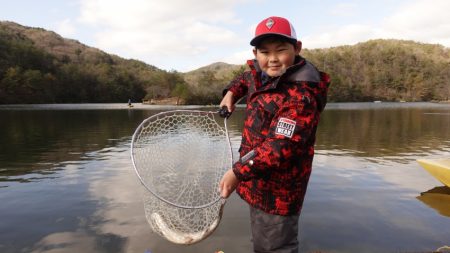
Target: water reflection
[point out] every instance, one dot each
(67, 185)
(118, 224)
(40, 141)
(437, 198)
(392, 133)
(356, 206)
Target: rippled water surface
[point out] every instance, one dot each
(67, 183)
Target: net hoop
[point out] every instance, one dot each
(157, 116)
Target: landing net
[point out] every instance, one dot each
(180, 157)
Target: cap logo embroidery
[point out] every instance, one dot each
(270, 23)
(285, 127)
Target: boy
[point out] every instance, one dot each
(285, 96)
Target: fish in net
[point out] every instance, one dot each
(180, 157)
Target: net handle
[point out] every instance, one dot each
(138, 130)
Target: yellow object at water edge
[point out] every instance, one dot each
(439, 168)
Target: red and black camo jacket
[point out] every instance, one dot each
(278, 137)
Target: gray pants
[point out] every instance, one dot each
(274, 233)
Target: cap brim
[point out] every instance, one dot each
(257, 40)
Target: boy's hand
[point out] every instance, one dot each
(228, 101)
(228, 184)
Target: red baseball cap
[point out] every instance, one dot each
(274, 26)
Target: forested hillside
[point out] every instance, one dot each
(392, 70)
(39, 66)
(206, 83)
(387, 70)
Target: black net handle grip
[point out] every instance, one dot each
(224, 113)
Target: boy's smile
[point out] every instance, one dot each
(274, 57)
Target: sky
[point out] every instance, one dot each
(184, 35)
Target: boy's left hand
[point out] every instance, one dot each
(228, 183)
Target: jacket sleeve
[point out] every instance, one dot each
(239, 86)
(291, 130)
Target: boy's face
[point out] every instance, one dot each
(274, 57)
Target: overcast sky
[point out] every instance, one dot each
(186, 34)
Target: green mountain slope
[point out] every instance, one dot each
(386, 70)
(39, 66)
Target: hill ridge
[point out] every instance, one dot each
(40, 66)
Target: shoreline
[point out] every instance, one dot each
(164, 101)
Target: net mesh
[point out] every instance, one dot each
(180, 157)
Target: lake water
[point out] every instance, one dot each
(67, 183)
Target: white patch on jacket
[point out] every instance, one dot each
(285, 127)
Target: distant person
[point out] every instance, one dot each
(285, 96)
